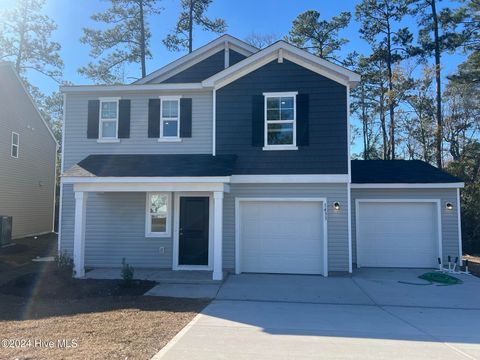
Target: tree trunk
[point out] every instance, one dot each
(384, 128)
(390, 94)
(439, 132)
(142, 40)
(21, 44)
(366, 150)
(190, 27)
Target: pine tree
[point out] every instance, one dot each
(320, 37)
(379, 26)
(25, 41)
(193, 13)
(125, 42)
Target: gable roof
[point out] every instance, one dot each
(198, 55)
(398, 172)
(9, 66)
(280, 50)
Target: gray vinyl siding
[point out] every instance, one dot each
(327, 152)
(337, 222)
(449, 217)
(115, 229)
(27, 183)
(77, 146)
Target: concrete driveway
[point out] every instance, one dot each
(369, 316)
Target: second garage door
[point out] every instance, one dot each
(397, 234)
(281, 237)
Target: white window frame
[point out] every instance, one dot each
(17, 145)
(292, 146)
(101, 138)
(162, 119)
(148, 220)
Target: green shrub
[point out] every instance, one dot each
(127, 273)
(64, 265)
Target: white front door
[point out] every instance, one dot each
(397, 234)
(281, 237)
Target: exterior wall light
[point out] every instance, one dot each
(449, 206)
(336, 205)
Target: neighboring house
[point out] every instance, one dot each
(237, 159)
(27, 159)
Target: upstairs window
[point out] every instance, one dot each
(170, 118)
(280, 121)
(108, 119)
(15, 144)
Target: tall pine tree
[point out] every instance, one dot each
(193, 13)
(125, 42)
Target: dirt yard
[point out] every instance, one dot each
(44, 316)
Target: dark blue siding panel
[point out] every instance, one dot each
(327, 152)
(200, 71)
(235, 57)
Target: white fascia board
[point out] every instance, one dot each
(78, 89)
(35, 106)
(140, 180)
(290, 52)
(278, 179)
(200, 53)
(410, 186)
(151, 187)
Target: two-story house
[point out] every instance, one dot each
(237, 159)
(28, 153)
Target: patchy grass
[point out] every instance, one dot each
(80, 319)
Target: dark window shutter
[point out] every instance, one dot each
(302, 120)
(258, 120)
(124, 119)
(185, 117)
(154, 118)
(93, 118)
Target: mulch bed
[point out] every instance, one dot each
(46, 315)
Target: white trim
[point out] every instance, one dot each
(214, 120)
(108, 141)
(148, 224)
(385, 200)
(15, 146)
(349, 222)
(459, 228)
(198, 55)
(142, 180)
(176, 228)
(35, 106)
(101, 120)
(177, 119)
(238, 200)
(276, 179)
(217, 236)
(79, 89)
(169, 139)
(349, 137)
(150, 187)
(290, 52)
(266, 121)
(79, 233)
(62, 162)
(226, 58)
(409, 186)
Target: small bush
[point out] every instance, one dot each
(64, 265)
(127, 273)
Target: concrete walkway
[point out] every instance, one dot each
(369, 316)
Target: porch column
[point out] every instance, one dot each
(79, 233)
(217, 235)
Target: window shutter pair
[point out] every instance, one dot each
(154, 112)
(258, 120)
(94, 119)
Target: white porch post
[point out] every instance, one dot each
(79, 233)
(217, 235)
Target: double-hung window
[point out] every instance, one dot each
(280, 121)
(170, 119)
(15, 144)
(158, 215)
(108, 119)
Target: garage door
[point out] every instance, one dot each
(397, 234)
(281, 237)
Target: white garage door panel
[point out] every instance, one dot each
(397, 234)
(281, 237)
